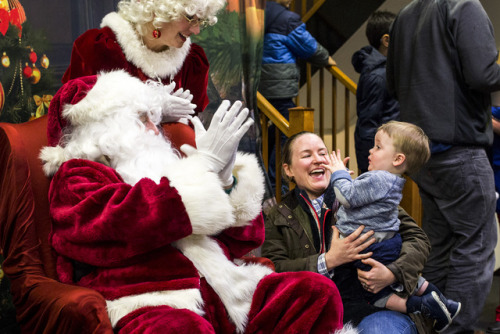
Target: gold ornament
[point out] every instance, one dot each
(35, 75)
(44, 61)
(5, 60)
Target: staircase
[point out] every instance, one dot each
(333, 22)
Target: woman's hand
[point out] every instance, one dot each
(347, 249)
(377, 278)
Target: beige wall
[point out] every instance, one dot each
(343, 59)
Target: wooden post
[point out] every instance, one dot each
(301, 119)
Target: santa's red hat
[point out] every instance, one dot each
(71, 93)
(89, 99)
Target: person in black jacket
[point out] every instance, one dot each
(442, 68)
(375, 106)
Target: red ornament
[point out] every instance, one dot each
(33, 56)
(27, 71)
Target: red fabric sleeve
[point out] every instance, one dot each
(238, 241)
(100, 220)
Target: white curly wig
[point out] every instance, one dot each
(143, 12)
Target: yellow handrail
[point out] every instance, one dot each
(274, 115)
(317, 5)
(343, 78)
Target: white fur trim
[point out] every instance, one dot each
(189, 299)
(235, 285)
(206, 203)
(348, 329)
(52, 158)
(246, 198)
(111, 91)
(162, 64)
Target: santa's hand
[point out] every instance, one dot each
(226, 174)
(220, 141)
(177, 105)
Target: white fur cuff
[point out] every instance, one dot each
(246, 198)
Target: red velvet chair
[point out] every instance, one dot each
(44, 305)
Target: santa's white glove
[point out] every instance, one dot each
(219, 143)
(176, 105)
(226, 174)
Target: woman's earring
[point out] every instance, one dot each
(156, 33)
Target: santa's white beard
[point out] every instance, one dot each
(147, 157)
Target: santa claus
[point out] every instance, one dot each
(158, 234)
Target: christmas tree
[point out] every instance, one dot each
(26, 88)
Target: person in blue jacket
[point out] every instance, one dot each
(375, 106)
(286, 39)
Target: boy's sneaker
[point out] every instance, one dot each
(453, 307)
(435, 308)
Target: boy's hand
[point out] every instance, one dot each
(335, 162)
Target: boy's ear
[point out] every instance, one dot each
(399, 159)
(385, 40)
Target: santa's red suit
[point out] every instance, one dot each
(161, 249)
(118, 46)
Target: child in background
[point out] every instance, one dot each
(374, 105)
(372, 200)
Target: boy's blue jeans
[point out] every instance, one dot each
(387, 322)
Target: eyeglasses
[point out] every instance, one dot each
(195, 22)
